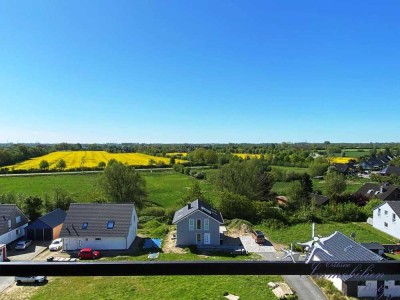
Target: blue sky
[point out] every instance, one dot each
(199, 71)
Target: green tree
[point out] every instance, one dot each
(335, 184)
(318, 167)
(194, 193)
(32, 206)
(123, 184)
(210, 157)
(236, 206)
(102, 165)
(44, 165)
(61, 165)
(371, 205)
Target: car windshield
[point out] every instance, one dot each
(56, 242)
(20, 243)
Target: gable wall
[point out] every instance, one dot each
(378, 221)
(184, 236)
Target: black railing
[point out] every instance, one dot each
(368, 269)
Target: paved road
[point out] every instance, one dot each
(305, 288)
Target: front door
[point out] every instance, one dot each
(207, 240)
(198, 238)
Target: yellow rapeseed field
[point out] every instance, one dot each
(244, 155)
(182, 154)
(341, 160)
(89, 159)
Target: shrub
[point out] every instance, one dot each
(153, 211)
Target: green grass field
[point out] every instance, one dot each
(302, 232)
(294, 169)
(164, 189)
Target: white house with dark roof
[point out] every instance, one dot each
(386, 218)
(338, 247)
(12, 223)
(101, 226)
(197, 223)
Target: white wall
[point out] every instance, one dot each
(12, 235)
(393, 290)
(369, 290)
(132, 230)
(378, 222)
(337, 282)
(99, 243)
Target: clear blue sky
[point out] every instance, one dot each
(199, 71)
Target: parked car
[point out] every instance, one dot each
(258, 236)
(88, 253)
(30, 279)
(23, 244)
(56, 245)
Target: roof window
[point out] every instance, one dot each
(110, 224)
(85, 225)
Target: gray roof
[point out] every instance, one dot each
(320, 199)
(395, 205)
(97, 215)
(6, 212)
(197, 205)
(339, 247)
(54, 218)
(391, 170)
(373, 246)
(372, 189)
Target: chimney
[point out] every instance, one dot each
(189, 205)
(382, 189)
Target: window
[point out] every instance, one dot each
(85, 225)
(206, 224)
(98, 239)
(393, 217)
(362, 283)
(386, 212)
(191, 224)
(385, 224)
(198, 224)
(379, 211)
(18, 231)
(9, 224)
(18, 219)
(110, 224)
(397, 282)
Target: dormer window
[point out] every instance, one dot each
(85, 225)
(110, 224)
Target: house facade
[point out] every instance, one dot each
(197, 223)
(339, 247)
(47, 227)
(101, 226)
(12, 223)
(386, 218)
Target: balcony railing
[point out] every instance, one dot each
(125, 268)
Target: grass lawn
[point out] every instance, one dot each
(164, 189)
(80, 186)
(302, 232)
(159, 287)
(281, 188)
(294, 169)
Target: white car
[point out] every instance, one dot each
(30, 279)
(56, 245)
(21, 245)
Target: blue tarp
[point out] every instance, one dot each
(152, 243)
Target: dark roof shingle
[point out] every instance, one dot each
(197, 205)
(97, 215)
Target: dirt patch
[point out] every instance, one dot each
(169, 244)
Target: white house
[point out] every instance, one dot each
(338, 247)
(12, 223)
(101, 226)
(386, 218)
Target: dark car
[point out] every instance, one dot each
(258, 236)
(88, 253)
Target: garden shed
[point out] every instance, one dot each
(47, 227)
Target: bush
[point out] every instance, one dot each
(153, 211)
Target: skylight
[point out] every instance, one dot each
(110, 224)
(84, 225)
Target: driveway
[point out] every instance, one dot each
(21, 255)
(252, 247)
